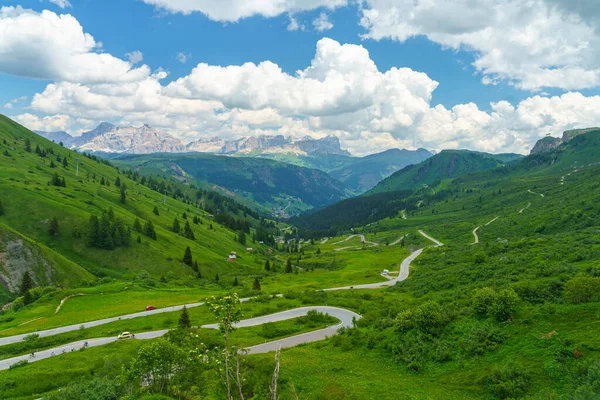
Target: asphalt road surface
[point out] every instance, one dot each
(346, 318)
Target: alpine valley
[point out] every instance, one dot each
(461, 274)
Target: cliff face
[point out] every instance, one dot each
(551, 143)
(18, 257)
(546, 144)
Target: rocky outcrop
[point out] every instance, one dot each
(546, 144)
(550, 143)
(17, 257)
(568, 135)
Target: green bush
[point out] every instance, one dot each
(509, 382)
(582, 289)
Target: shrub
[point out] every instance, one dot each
(482, 300)
(582, 289)
(426, 318)
(18, 364)
(509, 382)
(504, 305)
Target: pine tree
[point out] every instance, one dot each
(137, 226)
(94, 231)
(105, 238)
(38, 151)
(53, 227)
(256, 284)
(139, 239)
(184, 216)
(267, 265)
(149, 230)
(27, 298)
(65, 162)
(187, 257)
(235, 281)
(26, 283)
(52, 165)
(118, 182)
(123, 194)
(288, 266)
(242, 238)
(195, 267)
(28, 145)
(217, 277)
(155, 211)
(319, 250)
(187, 231)
(184, 319)
(1, 208)
(176, 228)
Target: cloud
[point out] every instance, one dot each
(135, 57)
(55, 47)
(10, 104)
(529, 44)
(183, 57)
(61, 3)
(50, 123)
(341, 79)
(341, 92)
(322, 23)
(294, 25)
(234, 10)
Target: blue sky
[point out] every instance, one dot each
(124, 26)
(472, 57)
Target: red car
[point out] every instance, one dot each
(150, 308)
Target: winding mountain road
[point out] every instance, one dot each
(475, 234)
(362, 239)
(494, 220)
(523, 209)
(532, 192)
(397, 241)
(346, 318)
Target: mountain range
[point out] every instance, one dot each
(109, 139)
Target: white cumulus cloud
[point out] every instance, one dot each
(234, 10)
(55, 47)
(49, 123)
(531, 44)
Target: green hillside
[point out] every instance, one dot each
(447, 164)
(507, 308)
(357, 173)
(31, 200)
(274, 185)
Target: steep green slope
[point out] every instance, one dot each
(445, 165)
(281, 187)
(30, 202)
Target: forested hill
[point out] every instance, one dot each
(273, 185)
(445, 165)
(69, 225)
(579, 152)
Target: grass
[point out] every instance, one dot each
(199, 316)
